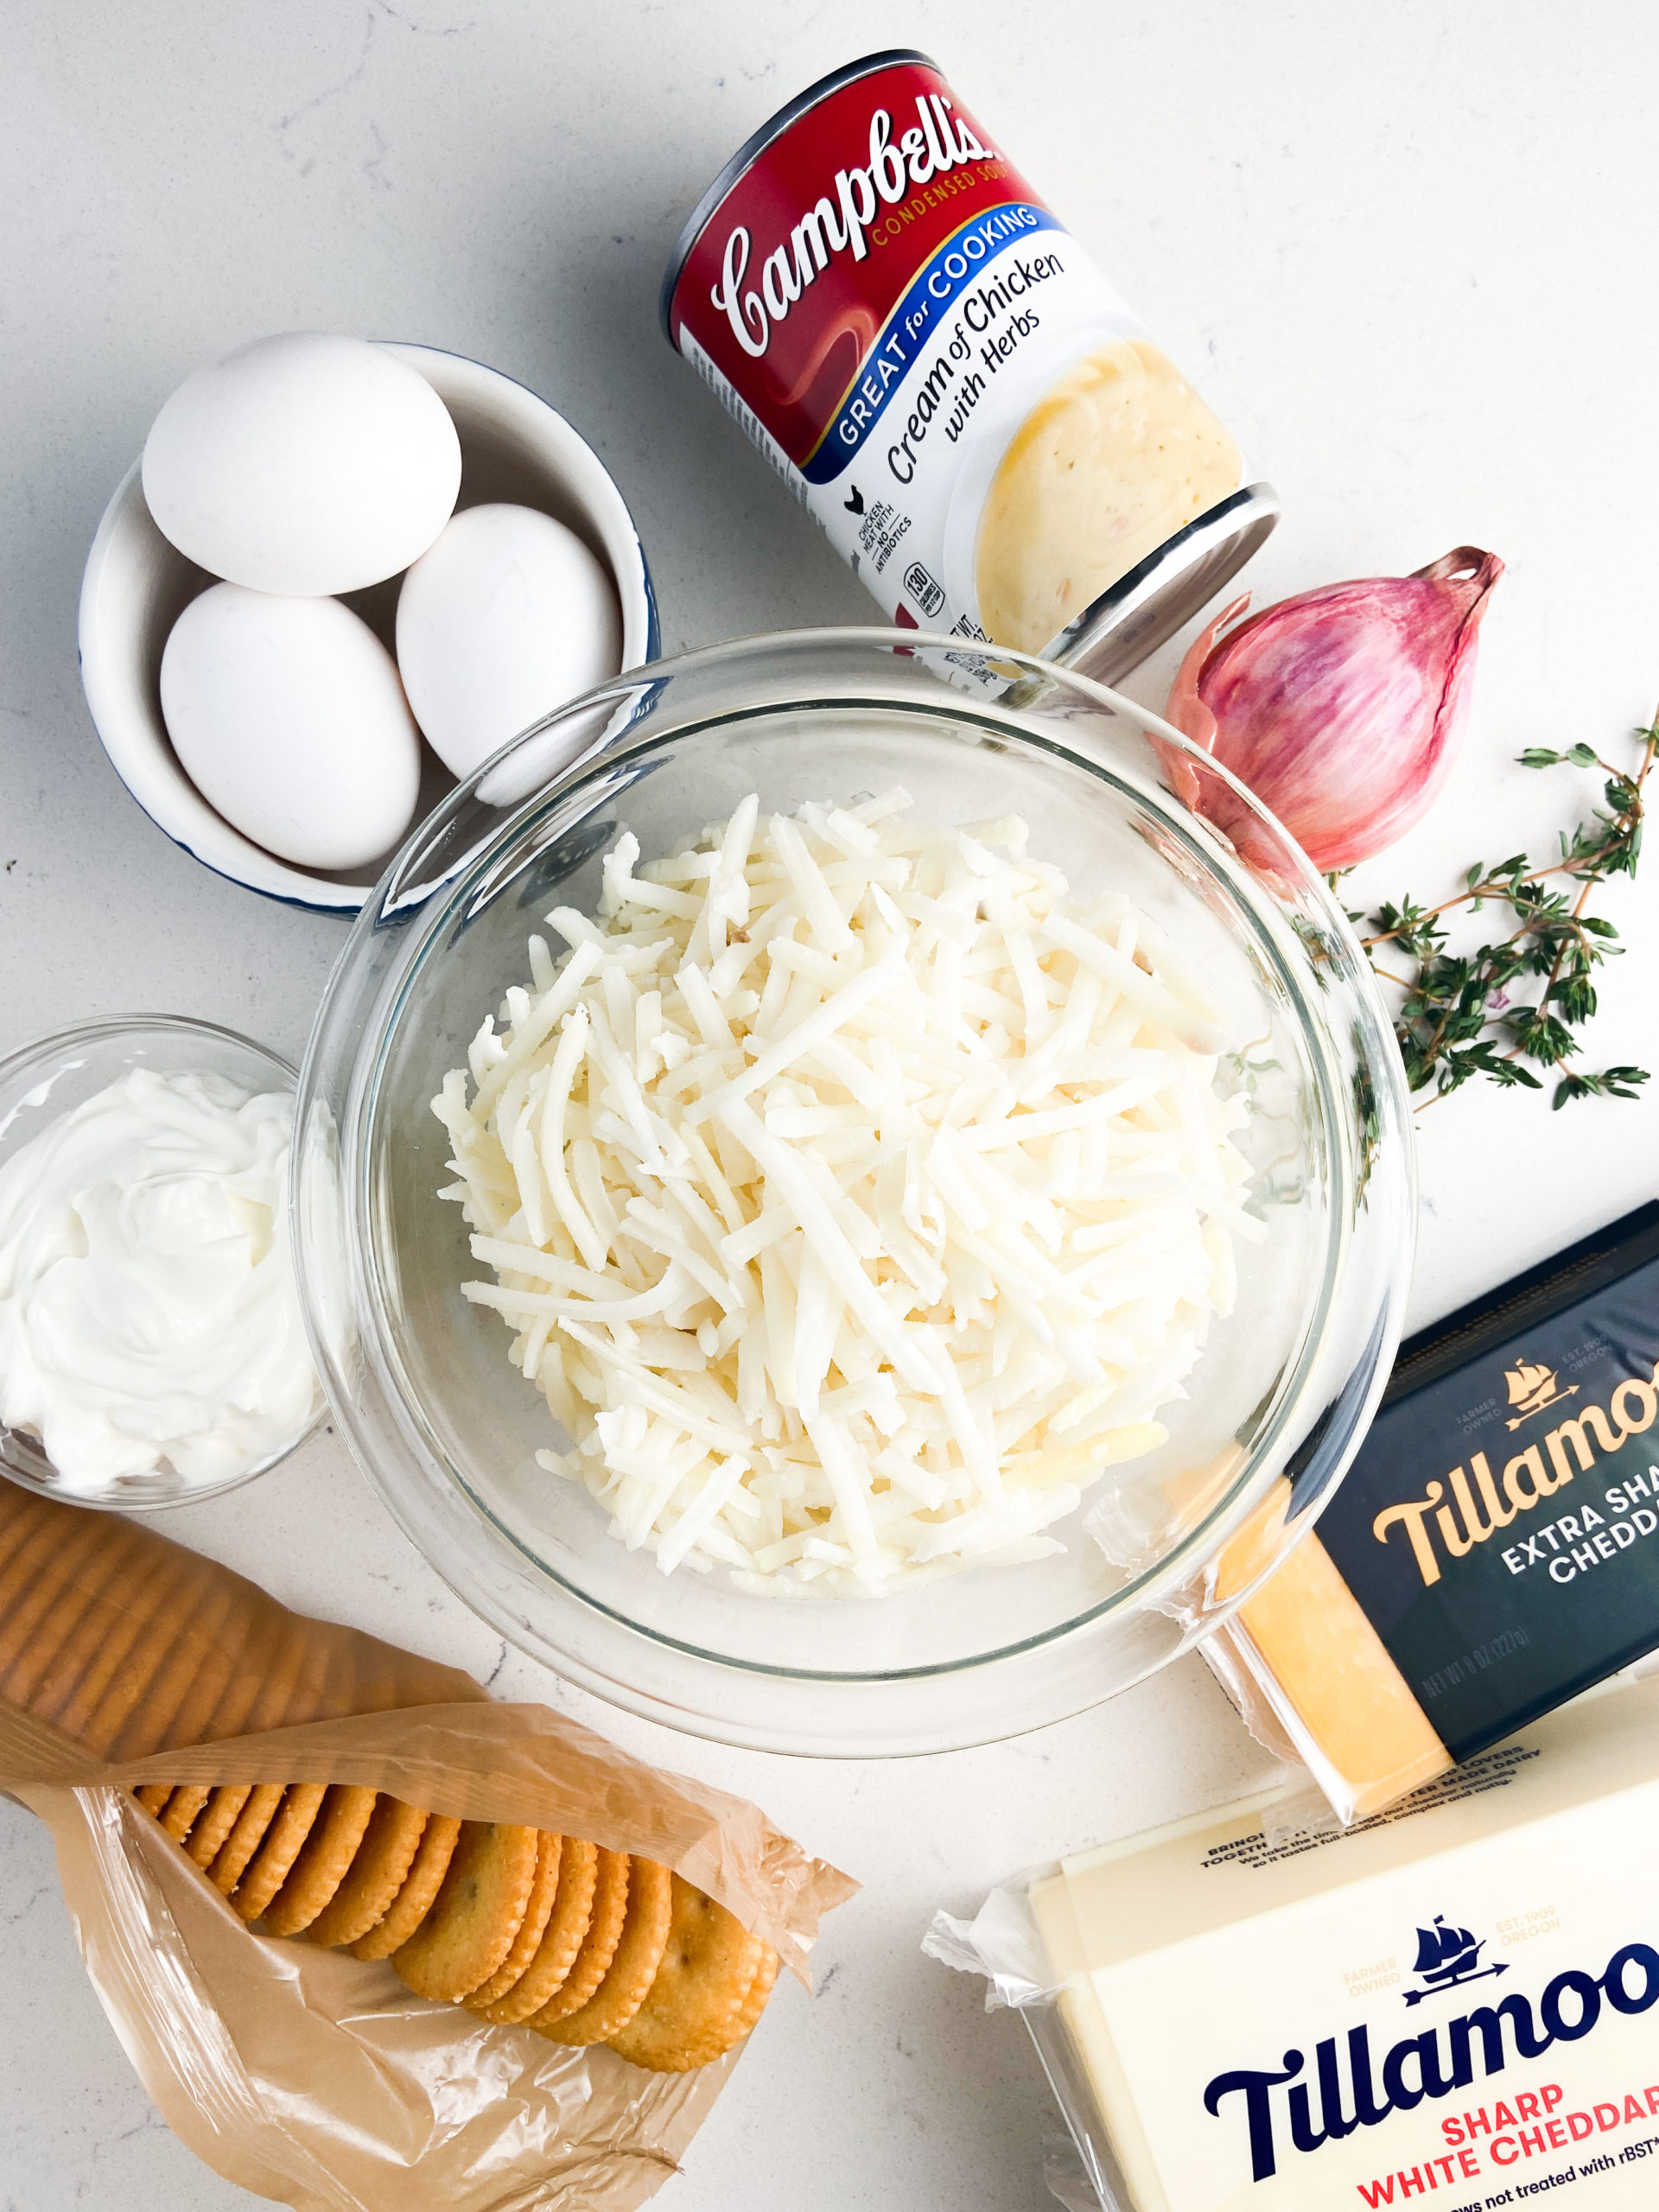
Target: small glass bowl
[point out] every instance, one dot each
(38, 1086)
(447, 1430)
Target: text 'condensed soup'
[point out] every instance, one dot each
(944, 378)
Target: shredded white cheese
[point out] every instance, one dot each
(854, 1200)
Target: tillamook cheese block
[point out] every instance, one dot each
(1494, 1548)
(1456, 2003)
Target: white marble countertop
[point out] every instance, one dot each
(1402, 250)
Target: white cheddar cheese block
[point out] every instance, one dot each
(1456, 2003)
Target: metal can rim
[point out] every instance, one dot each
(1115, 632)
(756, 144)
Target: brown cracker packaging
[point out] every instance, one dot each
(298, 2072)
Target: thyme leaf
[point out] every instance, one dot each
(1510, 1011)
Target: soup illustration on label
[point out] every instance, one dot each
(948, 385)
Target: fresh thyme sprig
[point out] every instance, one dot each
(1470, 1013)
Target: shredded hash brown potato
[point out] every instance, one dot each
(854, 1199)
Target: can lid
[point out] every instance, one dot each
(755, 145)
(1117, 631)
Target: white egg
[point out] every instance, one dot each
(303, 463)
(508, 616)
(288, 716)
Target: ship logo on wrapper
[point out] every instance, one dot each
(1294, 2106)
(1533, 1387)
(1447, 1957)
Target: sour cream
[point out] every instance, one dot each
(148, 1312)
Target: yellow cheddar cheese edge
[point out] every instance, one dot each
(1325, 1674)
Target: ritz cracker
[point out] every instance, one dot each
(948, 384)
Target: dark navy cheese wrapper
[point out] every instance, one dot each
(1500, 1526)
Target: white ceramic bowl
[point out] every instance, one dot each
(514, 447)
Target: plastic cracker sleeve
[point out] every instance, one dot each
(300, 2074)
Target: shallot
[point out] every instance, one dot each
(1340, 708)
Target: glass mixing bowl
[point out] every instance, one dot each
(448, 1429)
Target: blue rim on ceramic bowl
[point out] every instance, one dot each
(135, 585)
(58, 1073)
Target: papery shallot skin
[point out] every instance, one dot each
(1340, 708)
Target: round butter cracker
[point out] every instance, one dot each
(220, 1815)
(44, 1572)
(103, 1669)
(100, 1638)
(527, 1944)
(283, 1840)
(248, 1674)
(183, 1807)
(378, 1872)
(151, 1724)
(278, 1689)
(325, 1860)
(247, 1833)
(409, 1907)
(562, 1940)
(606, 1920)
(477, 1913)
(31, 1534)
(697, 2006)
(20, 1515)
(760, 1988)
(121, 1711)
(633, 1969)
(78, 1600)
(194, 1721)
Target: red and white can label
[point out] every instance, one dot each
(926, 355)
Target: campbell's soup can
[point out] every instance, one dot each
(948, 384)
